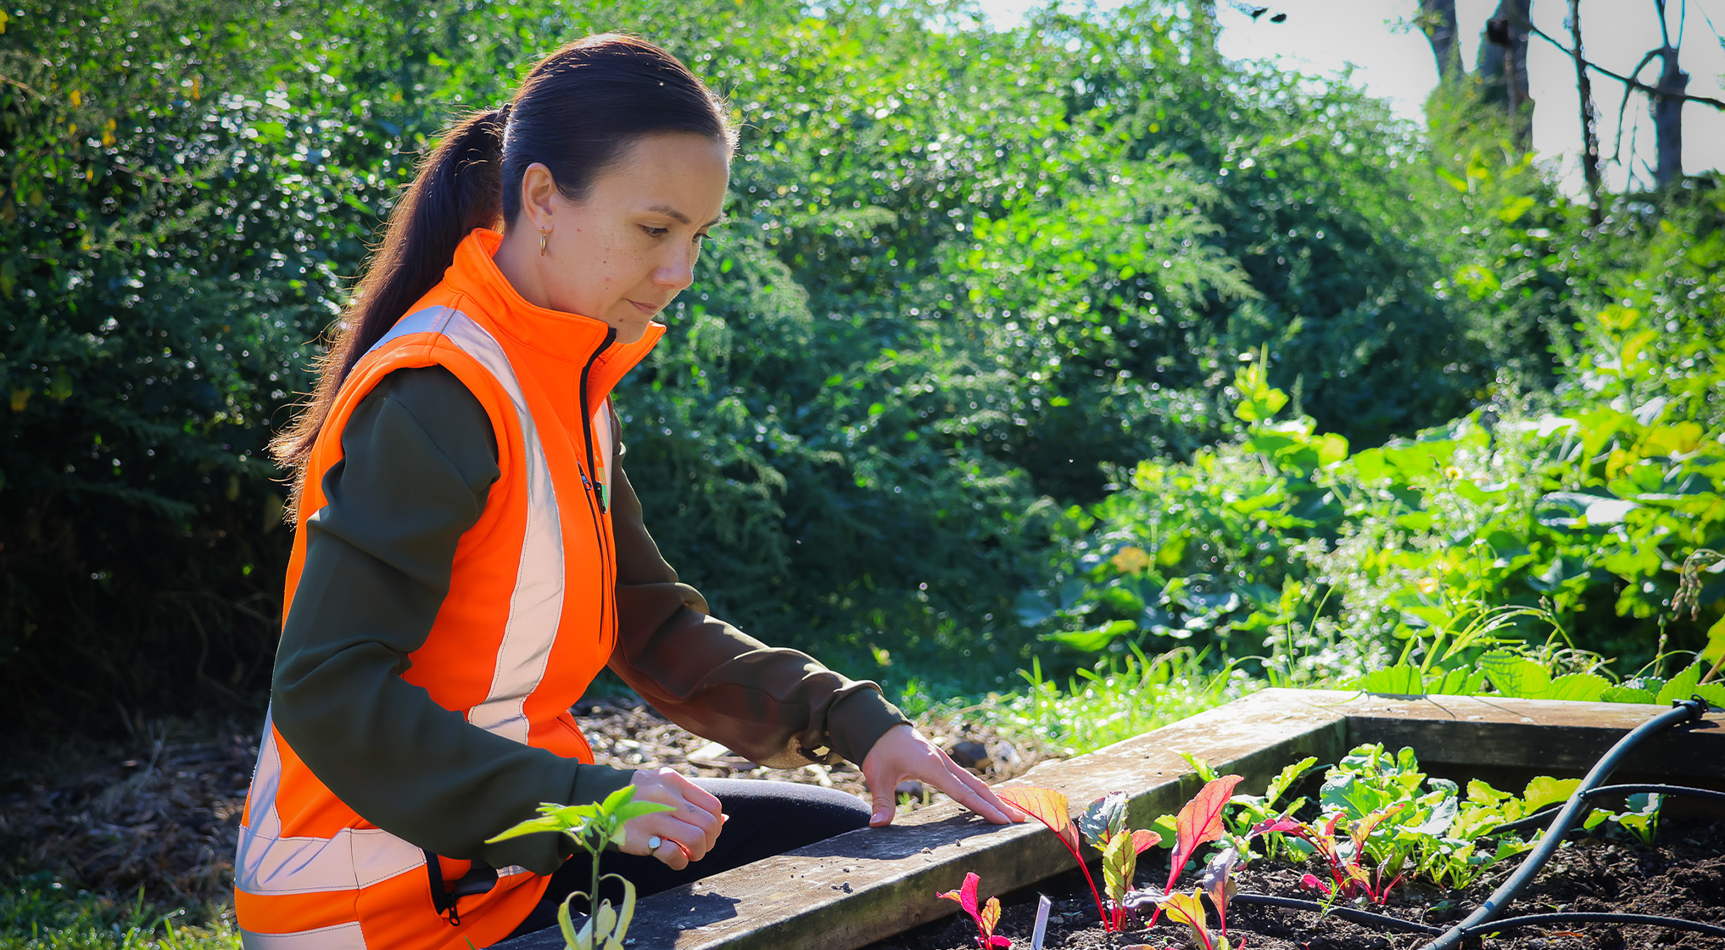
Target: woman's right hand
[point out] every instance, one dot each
(687, 832)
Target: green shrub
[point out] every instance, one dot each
(1586, 512)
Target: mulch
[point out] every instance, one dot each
(160, 812)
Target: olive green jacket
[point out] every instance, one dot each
(420, 457)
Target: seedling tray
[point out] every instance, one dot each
(853, 890)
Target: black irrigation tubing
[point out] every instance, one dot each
(1538, 818)
(1594, 917)
(1685, 710)
(1346, 913)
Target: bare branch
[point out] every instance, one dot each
(1626, 80)
(1623, 105)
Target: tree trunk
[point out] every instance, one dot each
(1589, 119)
(1668, 118)
(1437, 20)
(1503, 65)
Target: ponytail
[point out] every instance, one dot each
(576, 113)
(458, 188)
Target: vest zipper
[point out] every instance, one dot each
(587, 419)
(598, 492)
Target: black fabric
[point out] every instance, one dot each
(767, 818)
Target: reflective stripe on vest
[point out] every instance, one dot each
(339, 937)
(270, 865)
(536, 605)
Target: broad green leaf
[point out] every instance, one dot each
(1715, 650)
(1626, 694)
(1516, 676)
(1403, 679)
(1480, 793)
(1460, 682)
(1544, 790)
(1585, 687)
(1681, 686)
(1713, 692)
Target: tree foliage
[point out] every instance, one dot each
(968, 278)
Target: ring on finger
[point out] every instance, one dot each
(654, 843)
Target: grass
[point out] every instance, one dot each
(1122, 696)
(43, 914)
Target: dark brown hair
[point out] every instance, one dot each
(577, 113)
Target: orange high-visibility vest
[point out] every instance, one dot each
(530, 616)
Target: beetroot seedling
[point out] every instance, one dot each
(1055, 812)
(985, 919)
(1104, 828)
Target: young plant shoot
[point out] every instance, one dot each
(1199, 822)
(985, 919)
(592, 827)
(1104, 828)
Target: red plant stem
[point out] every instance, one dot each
(1101, 911)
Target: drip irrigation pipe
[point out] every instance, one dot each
(1685, 710)
(1346, 913)
(1595, 917)
(1538, 818)
(1388, 922)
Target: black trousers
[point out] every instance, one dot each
(767, 818)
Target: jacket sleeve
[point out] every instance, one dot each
(378, 562)
(777, 707)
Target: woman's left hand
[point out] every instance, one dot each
(903, 753)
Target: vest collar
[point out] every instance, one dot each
(569, 337)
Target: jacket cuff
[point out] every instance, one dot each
(856, 722)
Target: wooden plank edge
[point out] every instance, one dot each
(870, 884)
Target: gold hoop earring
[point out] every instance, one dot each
(544, 236)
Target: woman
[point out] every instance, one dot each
(470, 553)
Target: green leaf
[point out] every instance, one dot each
(1093, 640)
(1715, 650)
(1481, 793)
(1544, 790)
(636, 809)
(1200, 767)
(1583, 687)
(1714, 693)
(1682, 686)
(566, 923)
(1286, 778)
(1626, 694)
(1104, 820)
(1403, 679)
(1516, 676)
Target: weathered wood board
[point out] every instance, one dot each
(857, 888)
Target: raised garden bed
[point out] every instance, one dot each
(1683, 875)
(860, 888)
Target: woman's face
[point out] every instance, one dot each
(624, 252)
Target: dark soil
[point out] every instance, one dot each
(161, 811)
(1682, 876)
